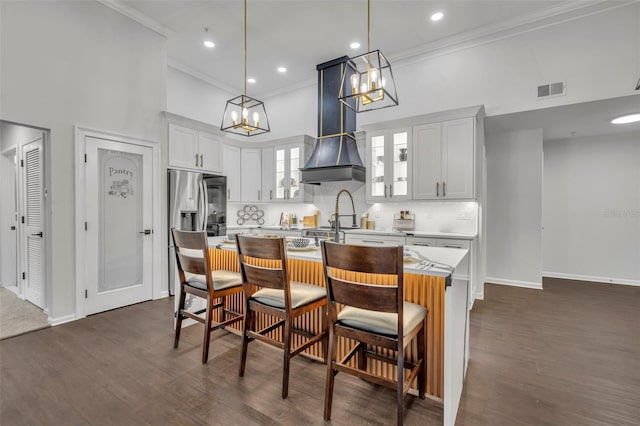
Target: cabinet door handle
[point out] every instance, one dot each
(196, 160)
(452, 246)
(228, 194)
(373, 241)
(437, 189)
(259, 195)
(271, 194)
(385, 191)
(390, 190)
(201, 160)
(444, 194)
(422, 244)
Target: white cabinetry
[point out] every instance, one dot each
(268, 179)
(251, 177)
(288, 160)
(443, 160)
(231, 169)
(374, 239)
(389, 165)
(194, 150)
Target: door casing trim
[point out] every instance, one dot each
(80, 133)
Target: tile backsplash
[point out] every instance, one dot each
(440, 216)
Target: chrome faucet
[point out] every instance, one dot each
(336, 215)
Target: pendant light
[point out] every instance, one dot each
(244, 115)
(367, 81)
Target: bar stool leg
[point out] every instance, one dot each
(287, 358)
(248, 325)
(400, 401)
(207, 330)
(179, 317)
(328, 393)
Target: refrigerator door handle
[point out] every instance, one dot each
(205, 204)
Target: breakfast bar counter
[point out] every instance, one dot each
(433, 278)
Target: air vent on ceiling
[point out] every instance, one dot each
(552, 89)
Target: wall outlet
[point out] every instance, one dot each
(463, 215)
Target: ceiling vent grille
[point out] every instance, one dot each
(552, 89)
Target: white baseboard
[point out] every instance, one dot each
(61, 320)
(514, 283)
(592, 278)
(163, 295)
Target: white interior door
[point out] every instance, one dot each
(9, 220)
(33, 220)
(119, 235)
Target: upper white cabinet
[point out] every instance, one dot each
(268, 174)
(231, 169)
(288, 160)
(194, 150)
(389, 165)
(251, 178)
(443, 160)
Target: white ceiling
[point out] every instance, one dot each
(299, 34)
(571, 121)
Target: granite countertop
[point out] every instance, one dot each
(436, 261)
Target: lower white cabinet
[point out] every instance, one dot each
(372, 239)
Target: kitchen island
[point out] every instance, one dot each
(434, 278)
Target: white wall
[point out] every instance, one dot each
(514, 208)
(66, 63)
(598, 56)
(592, 208)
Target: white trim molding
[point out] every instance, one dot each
(513, 283)
(137, 16)
(158, 289)
(592, 278)
(61, 320)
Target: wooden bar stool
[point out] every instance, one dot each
(197, 278)
(370, 317)
(269, 290)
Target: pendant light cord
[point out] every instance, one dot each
(368, 25)
(245, 49)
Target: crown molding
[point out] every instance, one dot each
(513, 27)
(201, 76)
(137, 16)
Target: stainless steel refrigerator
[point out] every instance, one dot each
(196, 202)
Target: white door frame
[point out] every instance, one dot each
(80, 134)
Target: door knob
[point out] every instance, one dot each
(39, 234)
(146, 232)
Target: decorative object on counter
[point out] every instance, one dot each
(403, 154)
(248, 107)
(364, 219)
(299, 242)
(250, 212)
(367, 81)
(404, 221)
(371, 224)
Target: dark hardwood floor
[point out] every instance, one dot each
(568, 355)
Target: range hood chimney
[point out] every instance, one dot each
(335, 156)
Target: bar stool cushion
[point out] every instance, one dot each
(384, 323)
(221, 280)
(301, 294)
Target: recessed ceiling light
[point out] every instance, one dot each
(437, 16)
(282, 69)
(626, 119)
(207, 41)
(251, 80)
(355, 45)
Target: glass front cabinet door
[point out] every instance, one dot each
(289, 160)
(388, 165)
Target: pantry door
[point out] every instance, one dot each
(119, 235)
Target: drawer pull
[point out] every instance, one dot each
(373, 241)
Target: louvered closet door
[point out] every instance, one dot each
(33, 209)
